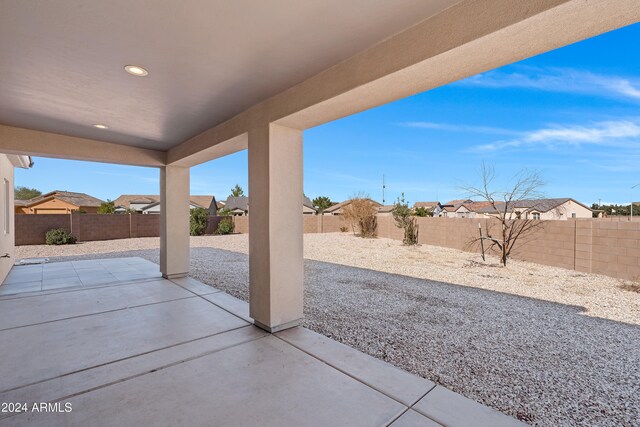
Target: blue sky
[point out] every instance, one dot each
(573, 114)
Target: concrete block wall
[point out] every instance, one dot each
(145, 225)
(31, 229)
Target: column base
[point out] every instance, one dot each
(278, 328)
(175, 275)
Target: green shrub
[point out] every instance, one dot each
(60, 236)
(403, 219)
(225, 226)
(198, 221)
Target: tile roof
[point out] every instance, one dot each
(540, 205)
(125, 200)
(76, 199)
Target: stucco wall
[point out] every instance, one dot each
(7, 245)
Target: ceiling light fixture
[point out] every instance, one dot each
(100, 126)
(135, 70)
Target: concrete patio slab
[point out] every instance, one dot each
(413, 419)
(265, 382)
(452, 409)
(38, 309)
(157, 352)
(69, 385)
(395, 383)
(73, 274)
(48, 350)
(194, 286)
(231, 304)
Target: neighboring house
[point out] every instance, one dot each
(469, 209)
(239, 206)
(550, 209)
(337, 209)
(449, 208)
(430, 206)
(58, 202)
(8, 162)
(150, 203)
(307, 207)
(386, 210)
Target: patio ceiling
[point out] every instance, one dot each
(208, 60)
(219, 69)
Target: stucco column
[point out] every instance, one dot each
(275, 227)
(174, 221)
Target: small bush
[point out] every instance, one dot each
(198, 221)
(403, 219)
(344, 229)
(60, 236)
(225, 226)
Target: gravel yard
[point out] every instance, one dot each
(547, 345)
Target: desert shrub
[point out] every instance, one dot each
(198, 221)
(225, 226)
(422, 212)
(361, 214)
(59, 236)
(107, 207)
(404, 219)
(343, 229)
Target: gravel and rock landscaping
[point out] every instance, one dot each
(546, 345)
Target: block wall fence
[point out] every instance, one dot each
(608, 246)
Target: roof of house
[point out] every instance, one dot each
(540, 205)
(240, 203)
(125, 200)
(386, 208)
(345, 203)
(474, 206)
(308, 203)
(76, 199)
(428, 205)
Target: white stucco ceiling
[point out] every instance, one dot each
(61, 62)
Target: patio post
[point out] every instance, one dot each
(174, 221)
(275, 226)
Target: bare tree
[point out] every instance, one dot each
(516, 208)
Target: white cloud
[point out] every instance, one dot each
(620, 133)
(564, 80)
(461, 128)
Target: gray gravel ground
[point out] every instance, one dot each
(542, 362)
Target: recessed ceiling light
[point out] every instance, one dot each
(135, 70)
(100, 126)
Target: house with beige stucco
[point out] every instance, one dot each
(58, 202)
(549, 209)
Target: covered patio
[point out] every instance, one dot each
(173, 85)
(110, 342)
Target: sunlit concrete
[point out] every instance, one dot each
(157, 352)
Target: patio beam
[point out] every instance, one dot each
(174, 222)
(275, 227)
(14, 140)
(465, 39)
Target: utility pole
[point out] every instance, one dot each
(383, 188)
(631, 213)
